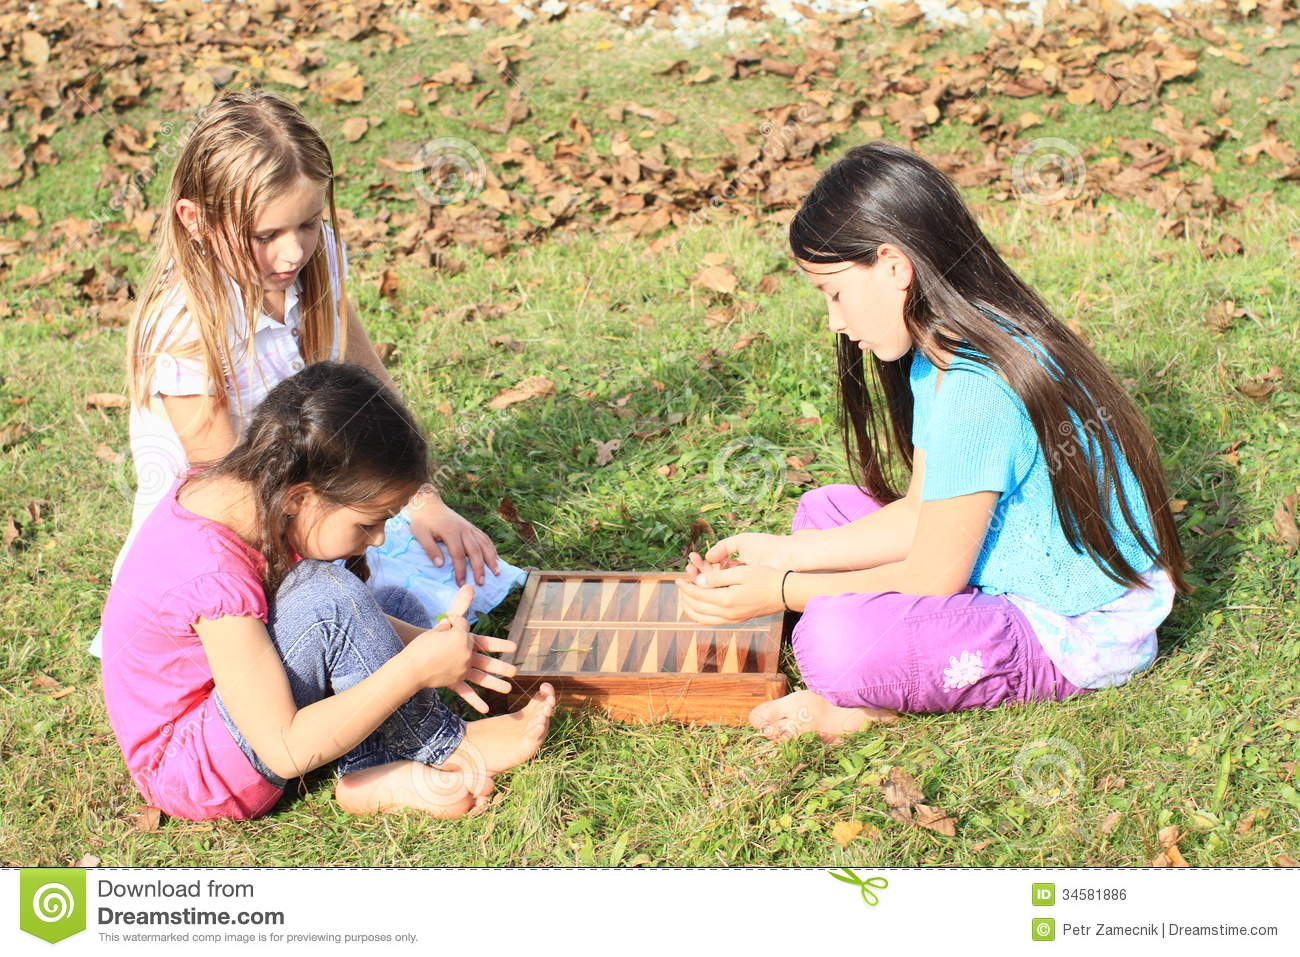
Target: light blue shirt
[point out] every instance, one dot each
(977, 437)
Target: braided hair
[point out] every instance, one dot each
(335, 427)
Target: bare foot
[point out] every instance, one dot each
(442, 792)
(497, 744)
(805, 711)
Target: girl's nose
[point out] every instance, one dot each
(290, 255)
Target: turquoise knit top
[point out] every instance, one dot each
(977, 437)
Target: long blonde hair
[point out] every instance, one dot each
(246, 150)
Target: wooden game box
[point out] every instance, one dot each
(621, 642)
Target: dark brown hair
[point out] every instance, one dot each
(964, 299)
(337, 428)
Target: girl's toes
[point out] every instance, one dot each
(764, 715)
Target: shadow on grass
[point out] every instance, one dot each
(1195, 474)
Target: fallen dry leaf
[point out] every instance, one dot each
(936, 819)
(106, 400)
(106, 453)
(1224, 314)
(533, 387)
(1226, 245)
(1169, 855)
(901, 792)
(1260, 387)
(147, 820)
(35, 48)
(1285, 525)
(11, 532)
(717, 278)
(1247, 822)
(903, 796)
(354, 127)
(387, 285)
(846, 832)
(605, 450)
(13, 433)
(506, 509)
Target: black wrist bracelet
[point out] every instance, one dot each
(783, 578)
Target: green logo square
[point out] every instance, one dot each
(1043, 928)
(52, 902)
(1044, 895)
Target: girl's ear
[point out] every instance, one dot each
(295, 497)
(188, 211)
(896, 266)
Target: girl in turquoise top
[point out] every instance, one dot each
(1031, 554)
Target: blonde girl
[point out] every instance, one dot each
(250, 229)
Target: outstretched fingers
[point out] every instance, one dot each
(470, 696)
(488, 643)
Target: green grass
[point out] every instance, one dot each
(1225, 691)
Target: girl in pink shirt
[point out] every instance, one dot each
(219, 696)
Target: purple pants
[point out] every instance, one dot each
(915, 653)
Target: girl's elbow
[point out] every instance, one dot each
(283, 765)
(940, 584)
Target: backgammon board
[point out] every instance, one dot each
(621, 642)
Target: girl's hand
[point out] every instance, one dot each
(451, 656)
(753, 548)
(717, 596)
(433, 522)
(697, 566)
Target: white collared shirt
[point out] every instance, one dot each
(156, 451)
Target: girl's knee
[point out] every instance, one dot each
(321, 605)
(838, 657)
(316, 583)
(831, 506)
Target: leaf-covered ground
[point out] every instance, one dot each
(569, 233)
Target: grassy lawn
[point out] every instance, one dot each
(1207, 740)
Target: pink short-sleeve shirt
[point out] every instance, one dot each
(158, 686)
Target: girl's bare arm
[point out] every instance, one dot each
(884, 536)
(292, 741)
(949, 535)
(362, 351)
(202, 424)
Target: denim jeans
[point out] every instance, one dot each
(330, 631)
